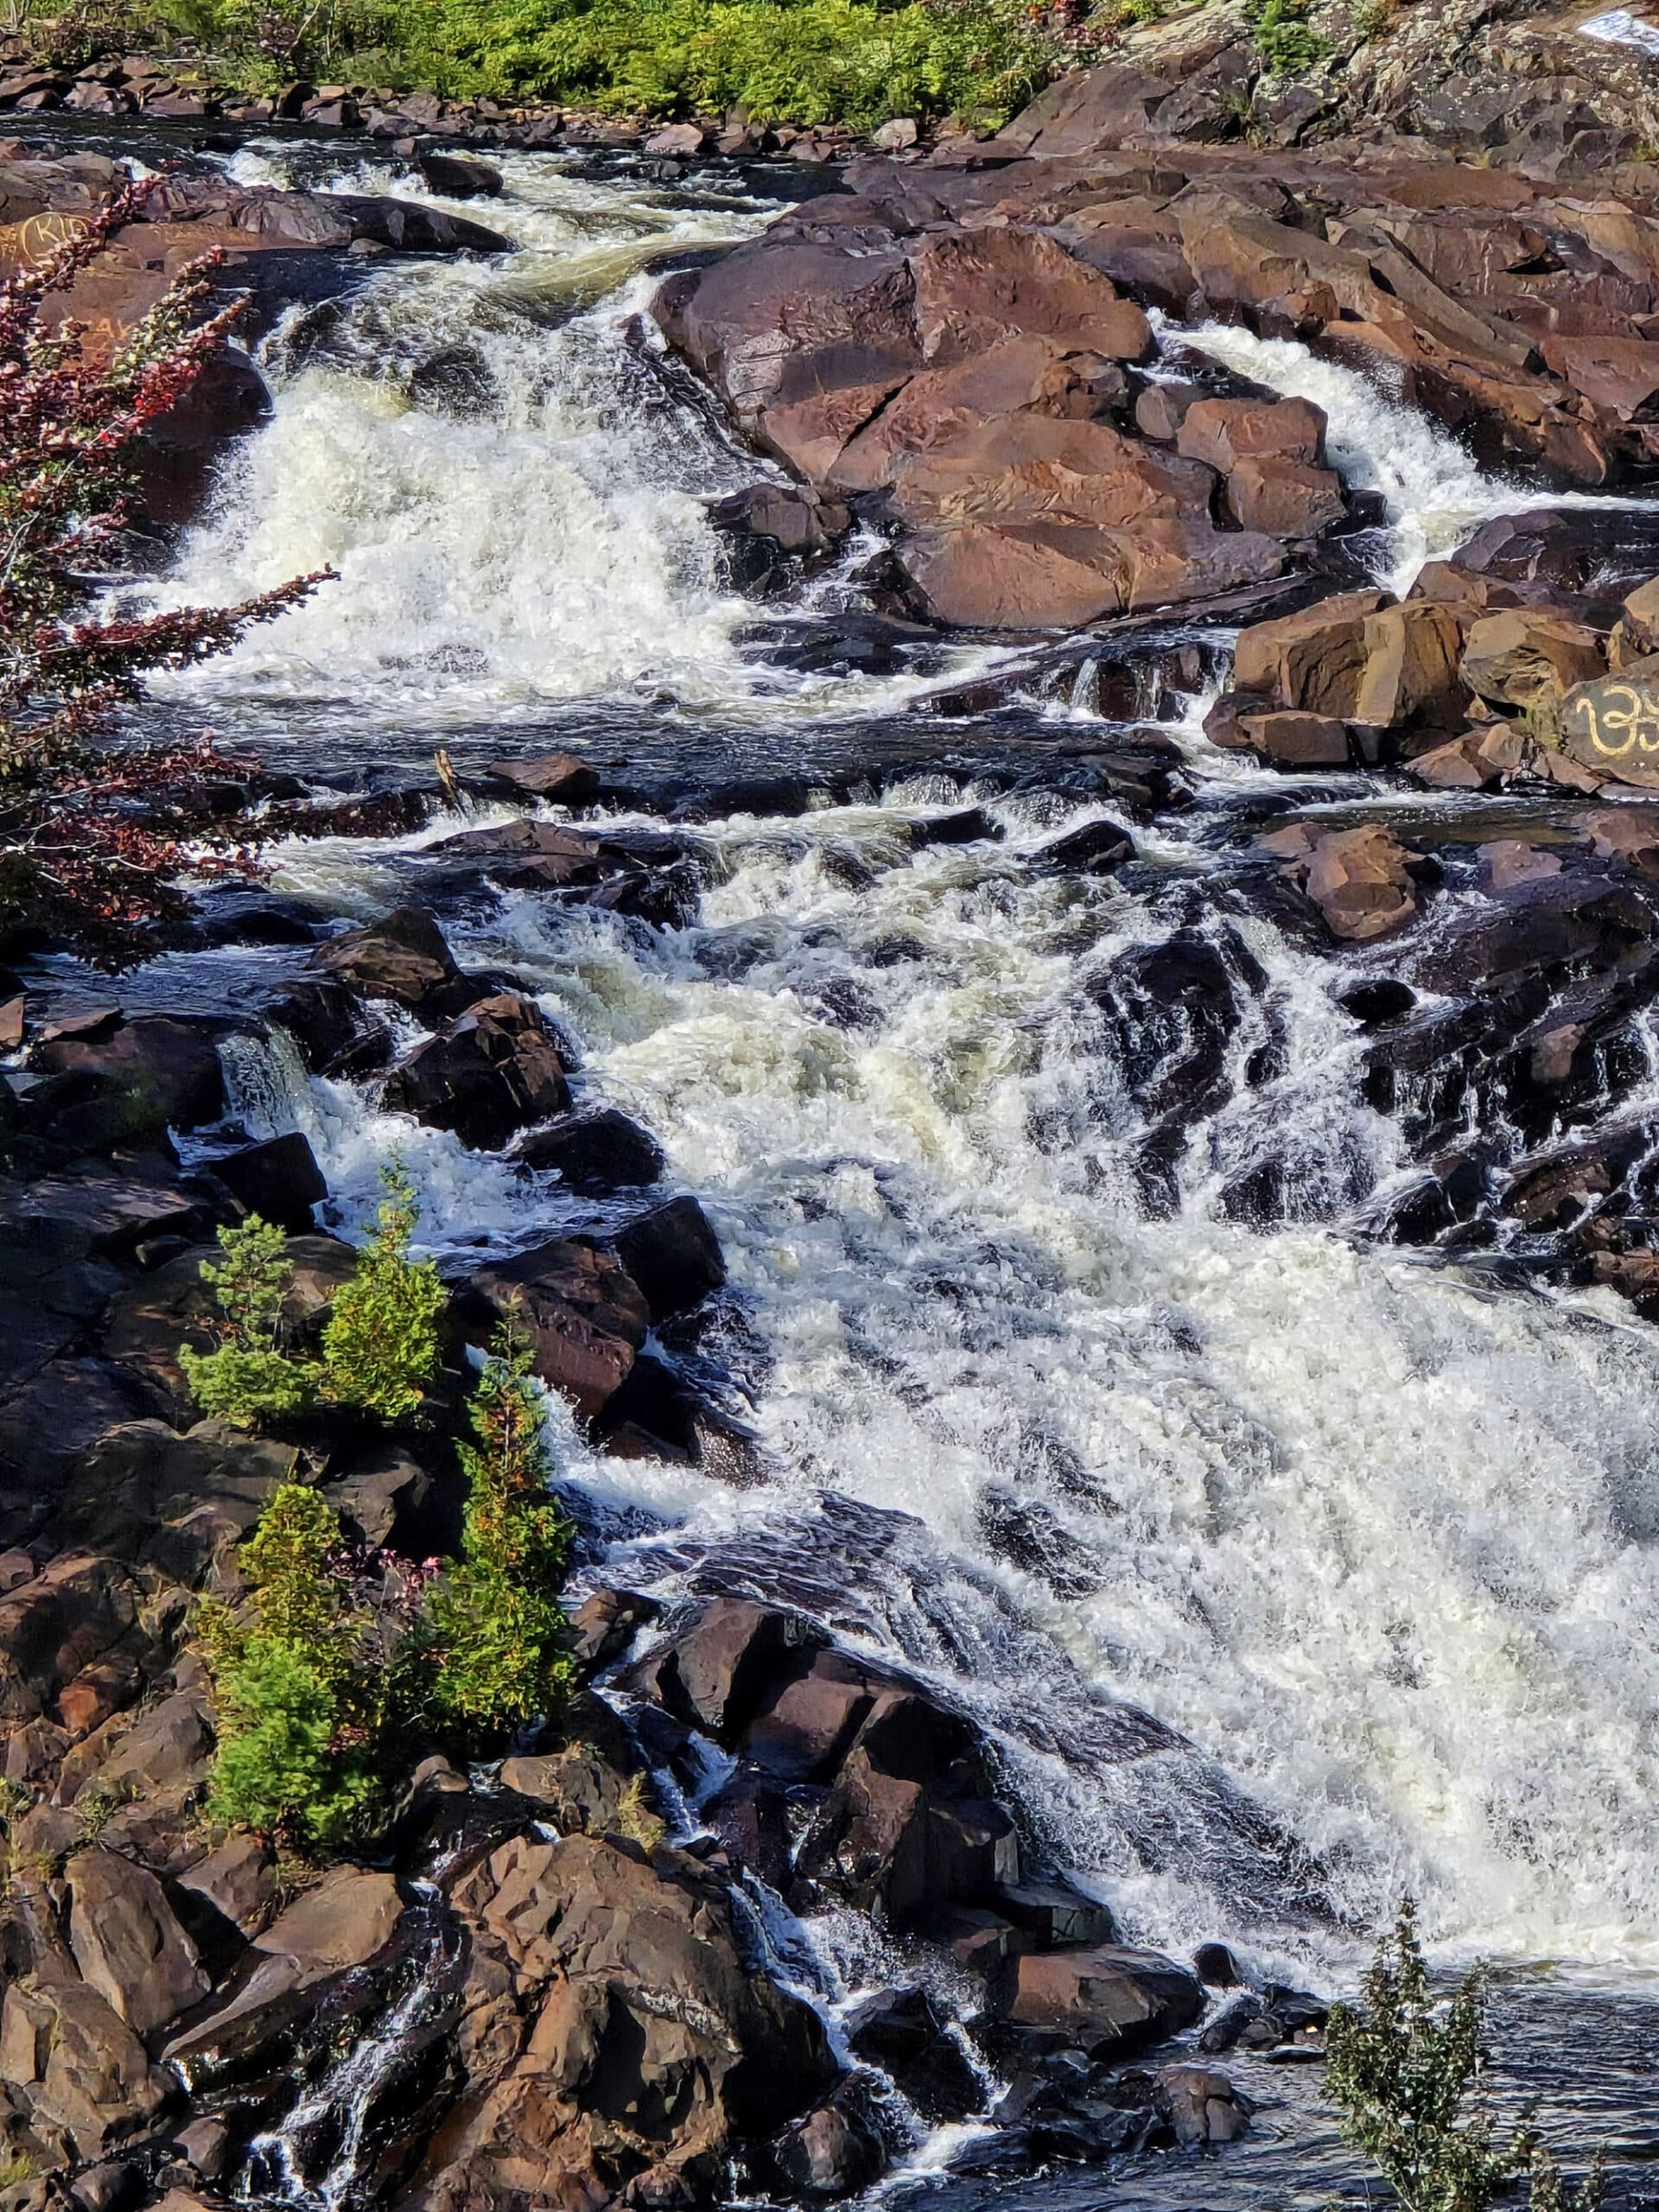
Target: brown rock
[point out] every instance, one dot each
(1201, 2105)
(1511, 860)
(681, 141)
(1358, 879)
(1410, 671)
(1313, 660)
(1287, 499)
(674, 1256)
(86, 2076)
(718, 1673)
(1525, 656)
(490, 1072)
(349, 1915)
(127, 1943)
(561, 776)
(654, 2042)
(1619, 374)
(1639, 620)
(401, 957)
(932, 408)
(1029, 467)
(600, 1150)
(1297, 740)
(239, 1880)
(586, 1316)
(133, 1079)
(1611, 726)
(975, 287)
(1474, 761)
(1111, 2000)
(1224, 432)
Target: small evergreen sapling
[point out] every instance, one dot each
(247, 1377)
(1408, 2070)
(313, 1692)
(502, 1639)
(380, 1346)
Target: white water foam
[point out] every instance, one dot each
(1380, 1543)
(550, 545)
(1436, 494)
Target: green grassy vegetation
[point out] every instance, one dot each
(345, 1661)
(773, 61)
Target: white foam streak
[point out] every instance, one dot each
(1435, 493)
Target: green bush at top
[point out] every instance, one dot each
(500, 1632)
(305, 1689)
(380, 1346)
(1283, 37)
(247, 1377)
(1407, 2070)
(800, 61)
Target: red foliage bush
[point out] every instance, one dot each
(95, 834)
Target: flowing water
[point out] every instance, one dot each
(1372, 1540)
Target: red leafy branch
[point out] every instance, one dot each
(97, 838)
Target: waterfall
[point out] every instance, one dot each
(1374, 1538)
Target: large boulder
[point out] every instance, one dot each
(597, 1150)
(1611, 724)
(638, 2046)
(1110, 2000)
(1526, 656)
(585, 1315)
(128, 1943)
(403, 956)
(125, 1081)
(84, 2076)
(493, 1070)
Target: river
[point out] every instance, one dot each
(1374, 1533)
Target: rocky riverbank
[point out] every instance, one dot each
(574, 1976)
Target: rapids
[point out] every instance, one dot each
(1376, 1536)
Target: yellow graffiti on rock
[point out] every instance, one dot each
(1621, 719)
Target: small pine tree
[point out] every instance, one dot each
(308, 1693)
(502, 1640)
(1407, 2073)
(1550, 2193)
(380, 1346)
(247, 1377)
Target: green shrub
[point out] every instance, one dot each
(305, 1691)
(799, 61)
(501, 1636)
(380, 1346)
(247, 1377)
(281, 1770)
(1283, 37)
(1407, 2070)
